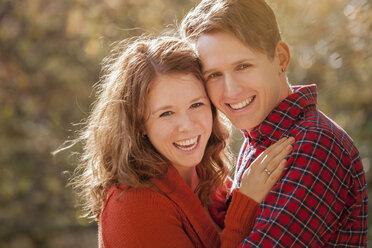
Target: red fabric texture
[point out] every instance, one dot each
(321, 200)
(172, 216)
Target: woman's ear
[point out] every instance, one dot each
(283, 54)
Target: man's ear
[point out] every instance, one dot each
(283, 54)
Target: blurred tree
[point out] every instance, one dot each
(50, 54)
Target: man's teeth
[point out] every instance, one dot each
(187, 145)
(242, 104)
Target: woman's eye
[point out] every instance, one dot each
(197, 105)
(167, 113)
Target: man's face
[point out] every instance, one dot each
(244, 84)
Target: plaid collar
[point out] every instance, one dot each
(285, 114)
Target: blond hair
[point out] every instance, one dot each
(115, 149)
(252, 21)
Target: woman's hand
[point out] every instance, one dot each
(265, 170)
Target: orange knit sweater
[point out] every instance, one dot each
(174, 217)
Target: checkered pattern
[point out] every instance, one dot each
(321, 200)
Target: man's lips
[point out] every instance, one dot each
(242, 104)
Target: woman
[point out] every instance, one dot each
(153, 166)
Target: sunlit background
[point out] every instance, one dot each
(50, 54)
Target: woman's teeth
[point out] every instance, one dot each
(187, 145)
(242, 104)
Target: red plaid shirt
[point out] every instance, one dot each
(321, 200)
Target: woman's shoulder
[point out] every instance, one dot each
(136, 212)
(127, 199)
(140, 217)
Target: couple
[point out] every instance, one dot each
(154, 167)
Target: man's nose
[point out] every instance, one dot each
(231, 86)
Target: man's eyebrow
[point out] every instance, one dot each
(234, 63)
(243, 60)
(207, 71)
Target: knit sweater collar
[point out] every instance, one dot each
(176, 189)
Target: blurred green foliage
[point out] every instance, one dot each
(50, 54)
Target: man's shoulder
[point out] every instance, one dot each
(316, 125)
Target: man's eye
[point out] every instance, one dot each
(167, 113)
(243, 66)
(214, 75)
(197, 105)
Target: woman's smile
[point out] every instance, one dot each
(188, 144)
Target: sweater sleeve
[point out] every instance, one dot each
(141, 218)
(239, 220)
(218, 206)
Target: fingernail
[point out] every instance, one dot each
(291, 140)
(288, 148)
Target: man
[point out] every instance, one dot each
(321, 200)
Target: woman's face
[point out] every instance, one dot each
(179, 120)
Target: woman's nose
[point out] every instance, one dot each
(185, 122)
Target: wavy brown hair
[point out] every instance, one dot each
(115, 149)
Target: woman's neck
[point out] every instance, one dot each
(190, 176)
